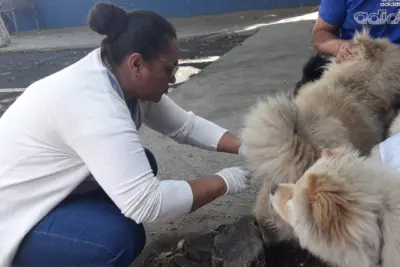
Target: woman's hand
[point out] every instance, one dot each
(236, 179)
(229, 143)
(232, 144)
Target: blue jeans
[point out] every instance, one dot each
(84, 230)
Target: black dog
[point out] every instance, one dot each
(312, 70)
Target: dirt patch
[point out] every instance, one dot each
(230, 245)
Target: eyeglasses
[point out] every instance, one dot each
(172, 69)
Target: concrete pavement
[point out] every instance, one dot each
(82, 37)
(268, 62)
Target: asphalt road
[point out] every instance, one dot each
(18, 70)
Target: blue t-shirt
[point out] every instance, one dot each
(381, 17)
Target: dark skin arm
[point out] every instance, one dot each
(324, 39)
(229, 144)
(326, 42)
(206, 189)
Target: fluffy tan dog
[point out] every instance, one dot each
(346, 106)
(345, 209)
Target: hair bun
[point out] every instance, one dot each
(107, 19)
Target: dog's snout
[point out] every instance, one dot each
(273, 189)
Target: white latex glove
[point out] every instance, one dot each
(242, 150)
(236, 179)
(389, 151)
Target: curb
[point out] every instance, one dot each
(239, 32)
(218, 34)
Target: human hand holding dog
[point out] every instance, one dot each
(345, 52)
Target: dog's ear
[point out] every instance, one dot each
(330, 207)
(372, 48)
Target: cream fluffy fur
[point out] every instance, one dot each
(345, 209)
(284, 137)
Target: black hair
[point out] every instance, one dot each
(136, 31)
(312, 70)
